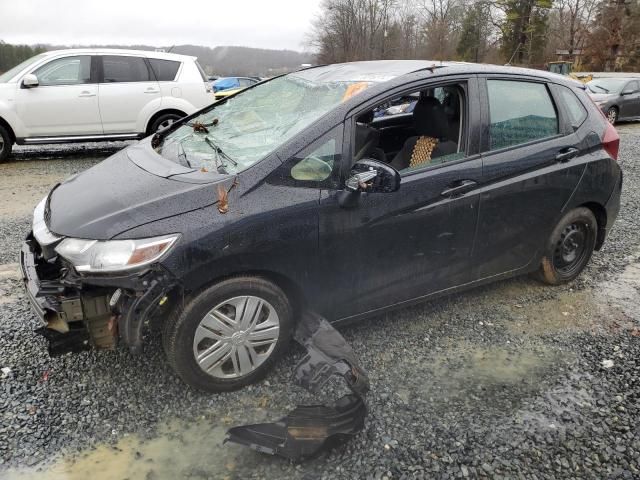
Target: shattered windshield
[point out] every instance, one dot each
(233, 135)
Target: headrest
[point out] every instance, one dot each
(429, 119)
(366, 117)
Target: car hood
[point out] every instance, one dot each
(602, 97)
(118, 194)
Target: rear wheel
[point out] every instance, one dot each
(6, 144)
(163, 121)
(569, 248)
(612, 115)
(230, 334)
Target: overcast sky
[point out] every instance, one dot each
(275, 24)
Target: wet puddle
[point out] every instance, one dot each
(623, 292)
(567, 311)
(179, 450)
(466, 368)
(496, 375)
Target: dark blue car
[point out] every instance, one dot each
(293, 196)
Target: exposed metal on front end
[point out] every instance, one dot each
(82, 312)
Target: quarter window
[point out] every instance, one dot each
(318, 165)
(118, 68)
(519, 112)
(575, 109)
(65, 71)
(164, 70)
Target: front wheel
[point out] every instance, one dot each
(569, 247)
(229, 335)
(612, 115)
(6, 144)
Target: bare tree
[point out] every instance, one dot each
(572, 26)
(442, 22)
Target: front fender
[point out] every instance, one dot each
(8, 114)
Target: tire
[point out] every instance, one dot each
(162, 121)
(184, 337)
(569, 247)
(612, 115)
(6, 144)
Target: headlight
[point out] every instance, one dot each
(113, 255)
(39, 226)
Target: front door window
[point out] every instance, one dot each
(414, 131)
(65, 71)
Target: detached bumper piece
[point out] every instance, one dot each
(309, 430)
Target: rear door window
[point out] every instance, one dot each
(120, 68)
(519, 112)
(164, 70)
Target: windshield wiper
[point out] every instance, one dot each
(601, 88)
(219, 151)
(182, 157)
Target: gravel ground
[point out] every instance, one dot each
(513, 380)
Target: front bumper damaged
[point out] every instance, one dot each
(308, 430)
(83, 312)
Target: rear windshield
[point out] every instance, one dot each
(202, 74)
(235, 134)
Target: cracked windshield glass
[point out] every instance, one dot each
(233, 135)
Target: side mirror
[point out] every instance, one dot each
(30, 81)
(373, 176)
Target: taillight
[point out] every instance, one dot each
(611, 141)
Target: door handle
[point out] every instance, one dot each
(567, 154)
(86, 93)
(151, 90)
(458, 188)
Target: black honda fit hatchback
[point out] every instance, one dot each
(345, 189)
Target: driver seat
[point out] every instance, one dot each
(431, 124)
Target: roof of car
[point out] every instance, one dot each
(383, 70)
(121, 51)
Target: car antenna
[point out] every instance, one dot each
(172, 47)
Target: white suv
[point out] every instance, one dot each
(97, 94)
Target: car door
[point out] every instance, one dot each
(129, 93)
(391, 248)
(530, 167)
(65, 102)
(630, 100)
